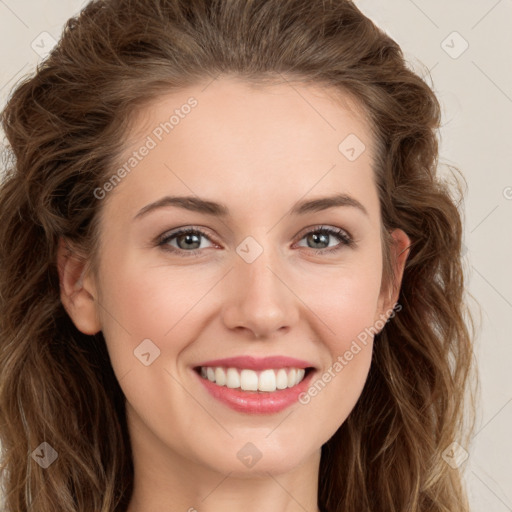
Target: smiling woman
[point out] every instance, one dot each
(230, 276)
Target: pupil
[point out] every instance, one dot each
(316, 238)
(188, 239)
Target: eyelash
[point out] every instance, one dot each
(345, 239)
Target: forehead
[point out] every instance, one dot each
(229, 103)
(229, 139)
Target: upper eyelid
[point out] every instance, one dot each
(320, 227)
(177, 231)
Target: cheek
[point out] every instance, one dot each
(351, 307)
(148, 300)
(345, 300)
(346, 329)
(148, 303)
(346, 306)
(348, 319)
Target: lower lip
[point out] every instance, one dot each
(253, 402)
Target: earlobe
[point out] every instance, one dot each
(77, 289)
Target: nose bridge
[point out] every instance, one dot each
(259, 299)
(258, 269)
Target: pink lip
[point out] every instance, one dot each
(254, 363)
(256, 402)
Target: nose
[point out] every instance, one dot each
(259, 297)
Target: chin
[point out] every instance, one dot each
(246, 459)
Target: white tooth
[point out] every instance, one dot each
(203, 371)
(210, 373)
(232, 378)
(281, 379)
(249, 380)
(267, 381)
(292, 374)
(220, 376)
(300, 375)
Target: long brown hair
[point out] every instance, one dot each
(66, 127)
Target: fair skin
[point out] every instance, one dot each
(258, 151)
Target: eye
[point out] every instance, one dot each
(184, 237)
(320, 236)
(188, 240)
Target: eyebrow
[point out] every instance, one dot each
(196, 204)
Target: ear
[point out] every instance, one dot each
(400, 247)
(77, 289)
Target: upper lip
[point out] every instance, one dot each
(258, 363)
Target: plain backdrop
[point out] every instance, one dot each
(465, 48)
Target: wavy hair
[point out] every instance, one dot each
(67, 126)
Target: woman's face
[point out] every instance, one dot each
(261, 280)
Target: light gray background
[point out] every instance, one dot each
(475, 90)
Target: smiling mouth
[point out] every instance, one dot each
(243, 379)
